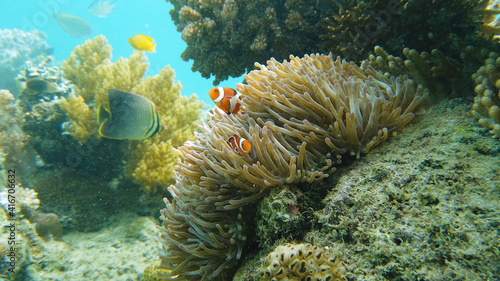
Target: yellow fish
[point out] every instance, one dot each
(142, 42)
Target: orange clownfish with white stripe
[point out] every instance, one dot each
(239, 144)
(226, 99)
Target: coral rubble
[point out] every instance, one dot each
(300, 116)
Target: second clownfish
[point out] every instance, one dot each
(226, 99)
(239, 144)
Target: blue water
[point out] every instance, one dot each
(150, 17)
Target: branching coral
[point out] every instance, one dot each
(299, 117)
(218, 33)
(487, 102)
(226, 37)
(13, 148)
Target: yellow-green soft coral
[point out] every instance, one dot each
(152, 162)
(91, 72)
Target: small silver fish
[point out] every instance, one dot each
(73, 25)
(101, 8)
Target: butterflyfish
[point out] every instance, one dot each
(142, 42)
(130, 116)
(239, 144)
(73, 25)
(101, 8)
(41, 86)
(226, 99)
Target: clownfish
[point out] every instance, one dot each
(239, 144)
(226, 99)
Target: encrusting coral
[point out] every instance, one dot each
(303, 262)
(299, 116)
(486, 107)
(150, 162)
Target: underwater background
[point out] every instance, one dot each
(250, 140)
(127, 19)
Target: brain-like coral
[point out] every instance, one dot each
(303, 262)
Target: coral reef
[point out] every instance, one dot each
(486, 106)
(443, 76)
(439, 40)
(219, 32)
(279, 215)
(90, 71)
(17, 47)
(299, 117)
(422, 25)
(303, 262)
(14, 226)
(422, 206)
(150, 162)
(224, 38)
